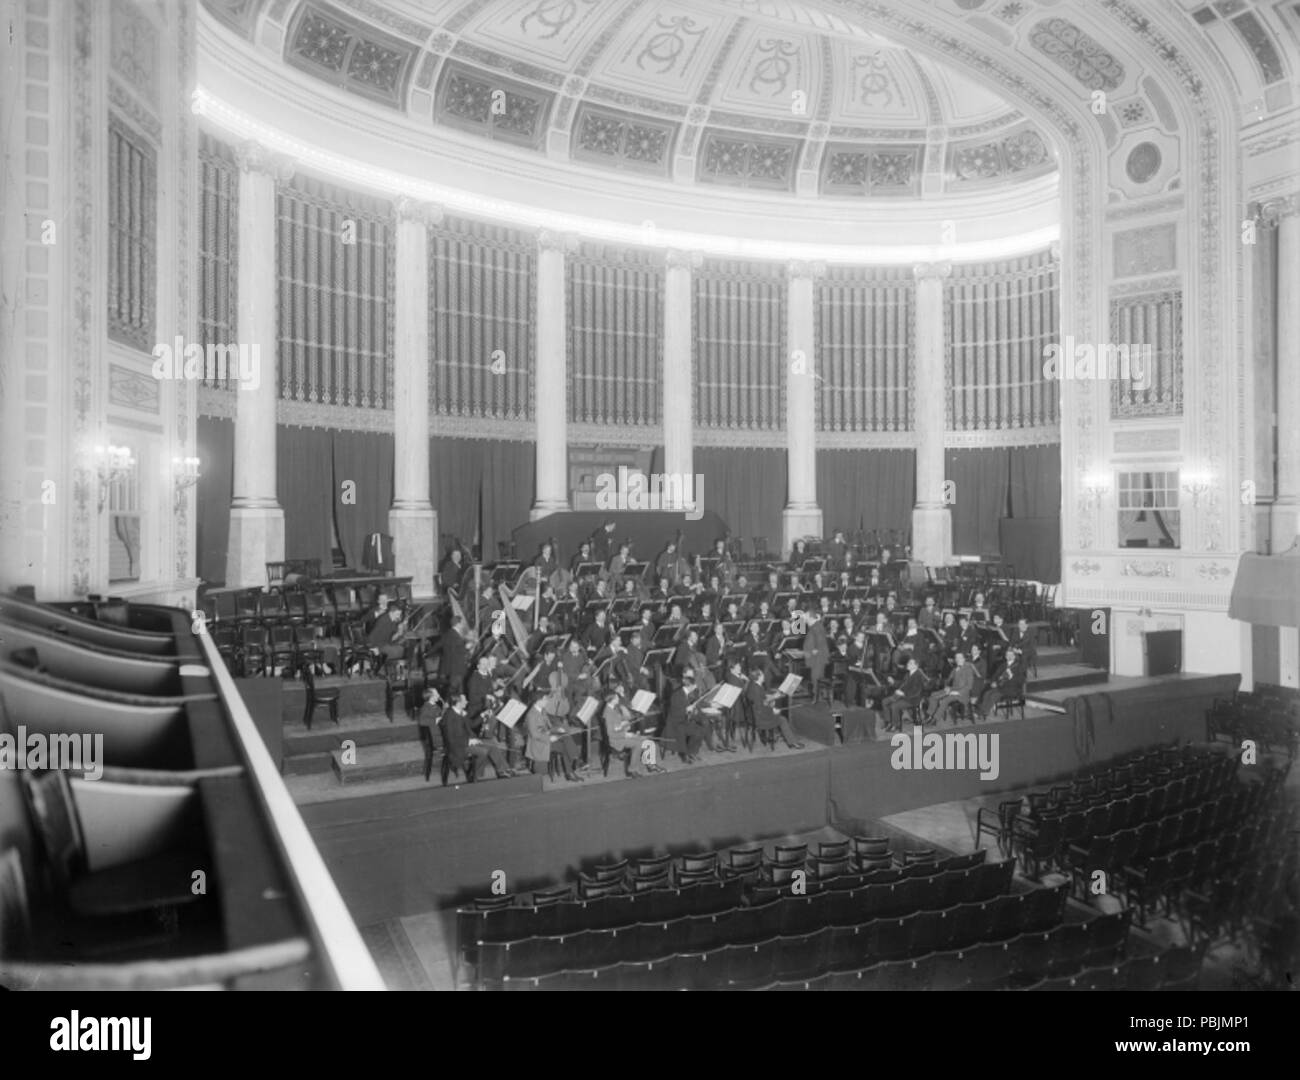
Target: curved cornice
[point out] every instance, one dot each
(241, 97)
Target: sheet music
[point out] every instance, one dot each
(510, 712)
(642, 701)
(789, 685)
(588, 709)
(726, 695)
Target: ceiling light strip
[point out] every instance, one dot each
(239, 126)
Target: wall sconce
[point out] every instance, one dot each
(1196, 484)
(185, 474)
(1095, 485)
(112, 463)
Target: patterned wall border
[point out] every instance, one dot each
(87, 139)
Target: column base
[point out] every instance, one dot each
(1283, 526)
(797, 522)
(547, 507)
(415, 544)
(932, 535)
(256, 538)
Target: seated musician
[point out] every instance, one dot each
(546, 562)
(549, 661)
(452, 649)
(629, 666)
(967, 634)
(534, 640)
(725, 568)
(619, 562)
(1008, 686)
(597, 590)
(733, 613)
(716, 649)
(462, 743)
(764, 612)
(799, 555)
(958, 696)
(1022, 637)
(686, 727)
(597, 635)
(995, 637)
(384, 638)
(950, 631)
(979, 664)
(634, 588)
(453, 567)
(480, 688)
(874, 583)
(647, 626)
(622, 734)
(928, 618)
(980, 609)
(837, 549)
(886, 556)
(767, 718)
(757, 652)
(910, 694)
(663, 591)
(670, 564)
(772, 589)
(489, 603)
(684, 656)
(583, 556)
(684, 588)
(573, 663)
(547, 731)
(677, 618)
(849, 564)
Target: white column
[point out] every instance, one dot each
(1285, 513)
(931, 519)
(412, 521)
(256, 520)
(550, 380)
(802, 517)
(678, 403)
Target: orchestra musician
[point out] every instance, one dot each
(548, 732)
(462, 742)
(767, 718)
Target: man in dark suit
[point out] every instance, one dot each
(453, 568)
(454, 662)
(908, 695)
(837, 549)
(602, 543)
(687, 729)
(1025, 643)
(816, 650)
(462, 744)
(478, 688)
(1009, 684)
(596, 636)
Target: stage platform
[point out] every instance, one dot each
(647, 529)
(404, 847)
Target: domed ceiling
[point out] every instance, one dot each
(704, 91)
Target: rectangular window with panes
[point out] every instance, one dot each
(1147, 504)
(132, 236)
(124, 524)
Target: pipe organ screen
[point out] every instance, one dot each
(740, 345)
(218, 250)
(132, 236)
(1154, 320)
(1001, 317)
(482, 297)
(335, 262)
(864, 349)
(615, 324)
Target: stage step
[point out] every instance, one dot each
(1058, 654)
(368, 729)
(358, 695)
(1061, 676)
(381, 761)
(307, 764)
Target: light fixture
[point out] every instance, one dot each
(1095, 485)
(185, 474)
(1196, 484)
(112, 463)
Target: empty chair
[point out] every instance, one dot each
(789, 855)
(705, 861)
(826, 868)
(651, 867)
(317, 697)
(554, 895)
(998, 823)
(833, 849)
(614, 871)
(913, 856)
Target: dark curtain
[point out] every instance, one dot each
(304, 485)
(866, 489)
(508, 482)
(980, 479)
(482, 490)
(455, 481)
(746, 488)
(365, 458)
(1035, 488)
(215, 438)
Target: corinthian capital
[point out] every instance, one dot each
(940, 270)
(1272, 211)
(252, 156)
(414, 210)
(801, 268)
